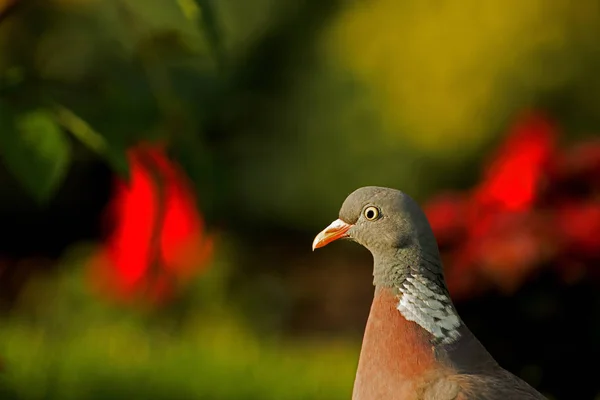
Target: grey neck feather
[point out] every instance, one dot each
(417, 278)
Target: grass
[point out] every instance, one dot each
(209, 360)
(74, 347)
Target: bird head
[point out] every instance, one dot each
(395, 230)
(381, 219)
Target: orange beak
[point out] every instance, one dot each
(336, 230)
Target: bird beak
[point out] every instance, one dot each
(336, 230)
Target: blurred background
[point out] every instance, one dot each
(166, 164)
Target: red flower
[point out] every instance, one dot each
(584, 159)
(512, 179)
(579, 228)
(447, 216)
(512, 250)
(577, 175)
(158, 240)
(504, 255)
(490, 237)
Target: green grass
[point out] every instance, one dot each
(69, 345)
(209, 360)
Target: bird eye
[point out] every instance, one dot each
(371, 213)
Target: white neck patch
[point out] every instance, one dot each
(423, 303)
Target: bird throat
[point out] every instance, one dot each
(422, 294)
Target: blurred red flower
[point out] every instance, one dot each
(583, 161)
(534, 207)
(158, 239)
(512, 179)
(579, 224)
(447, 214)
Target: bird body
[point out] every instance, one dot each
(415, 345)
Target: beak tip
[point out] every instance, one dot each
(336, 230)
(315, 244)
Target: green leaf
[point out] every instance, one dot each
(35, 150)
(122, 107)
(115, 155)
(212, 28)
(80, 129)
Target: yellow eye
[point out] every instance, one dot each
(371, 213)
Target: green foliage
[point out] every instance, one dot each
(35, 149)
(264, 94)
(108, 72)
(212, 28)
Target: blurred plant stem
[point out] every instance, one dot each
(80, 129)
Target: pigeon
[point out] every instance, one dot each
(415, 345)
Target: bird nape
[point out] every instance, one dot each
(415, 345)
